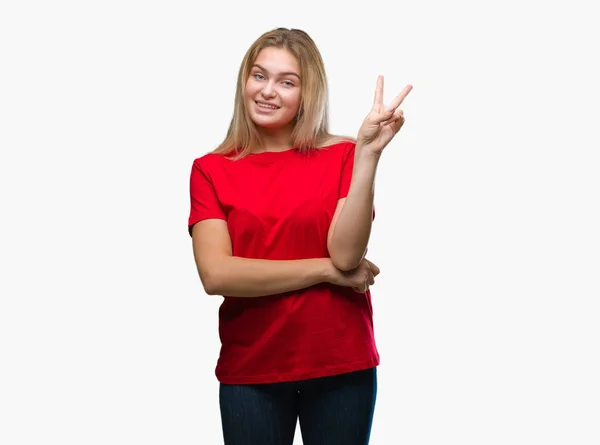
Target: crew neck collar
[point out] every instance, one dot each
(272, 152)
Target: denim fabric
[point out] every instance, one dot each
(336, 410)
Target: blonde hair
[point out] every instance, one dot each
(311, 128)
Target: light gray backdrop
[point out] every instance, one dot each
(486, 309)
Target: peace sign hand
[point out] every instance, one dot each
(382, 124)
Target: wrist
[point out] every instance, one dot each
(327, 270)
(366, 156)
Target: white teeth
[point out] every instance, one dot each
(267, 106)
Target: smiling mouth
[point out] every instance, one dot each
(267, 107)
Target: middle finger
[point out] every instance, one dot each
(400, 97)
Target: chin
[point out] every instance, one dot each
(270, 123)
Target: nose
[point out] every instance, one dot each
(268, 91)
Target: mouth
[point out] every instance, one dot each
(267, 106)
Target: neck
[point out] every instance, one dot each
(275, 139)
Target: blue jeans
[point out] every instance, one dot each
(336, 410)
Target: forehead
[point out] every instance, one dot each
(277, 59)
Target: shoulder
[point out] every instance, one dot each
(339, 153)
(209, 161)
(343, 145)
(208, 167)
(338, 149)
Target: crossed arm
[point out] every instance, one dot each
(221, 273)
(224, 274)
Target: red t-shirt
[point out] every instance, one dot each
(279, 206)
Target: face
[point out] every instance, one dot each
(272, 92)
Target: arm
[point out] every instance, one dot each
(223, 274)
(351, 225)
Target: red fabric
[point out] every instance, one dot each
(279, 206)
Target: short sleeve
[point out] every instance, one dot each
(346, 174)
(204, 203)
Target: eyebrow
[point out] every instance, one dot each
(287, 73)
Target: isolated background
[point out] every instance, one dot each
(487, 236)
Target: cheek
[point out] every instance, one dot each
(249, 90)
(293, 100)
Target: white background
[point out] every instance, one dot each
(487, 227)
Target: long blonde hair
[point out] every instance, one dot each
(311, 127)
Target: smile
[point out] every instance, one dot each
(266, 106)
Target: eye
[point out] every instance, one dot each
(258, 76)
(287, 83)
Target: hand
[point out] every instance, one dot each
(358, 279)
(382, 123)
(372, 272)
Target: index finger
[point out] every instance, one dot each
(400, 97)
(379, 92)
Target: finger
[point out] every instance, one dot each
(400, 97)
(377, 117)
(368, 279)
(372, 266)
(379, 92)
(397, 124)
(374, 269)
(371, 278)
(398, 114)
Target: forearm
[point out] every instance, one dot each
(352, 229)
(245, 277)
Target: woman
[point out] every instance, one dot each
(280, 219)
